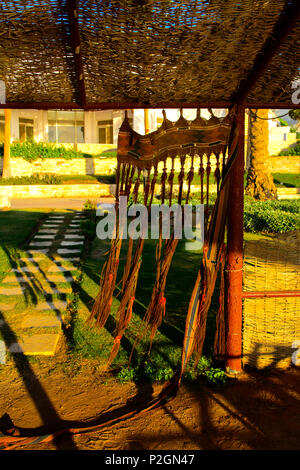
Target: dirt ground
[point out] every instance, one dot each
(257, 411)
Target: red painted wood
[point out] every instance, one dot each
(270, 293)
(234, 273)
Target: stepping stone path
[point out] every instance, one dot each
(48, 273)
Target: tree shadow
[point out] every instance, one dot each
(260, 412)
(34, 388)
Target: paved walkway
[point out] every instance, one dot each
(35, 294)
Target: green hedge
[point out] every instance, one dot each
(291, 151)
(33, 179)
(31, 151)
(271, 216)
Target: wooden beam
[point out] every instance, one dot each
(286, 22)
(270, 294)
(72, 10)
(6, 172)
(122, 106)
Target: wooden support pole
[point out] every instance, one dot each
(6, 172)
(72, 8)
(234, 271)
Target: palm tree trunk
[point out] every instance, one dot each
(6, 172)
(260, 182)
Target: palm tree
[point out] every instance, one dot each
(295, 114)
(260, 182)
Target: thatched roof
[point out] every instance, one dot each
(144, 51)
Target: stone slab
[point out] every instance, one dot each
(40, 251)
(57, 290)
(50, 236)
(72, 243)
(59, 279)
(38, 244)
(12, 291)
(65, 251)
(11, 279)
(48, 230)
(31, 259)
(26, 269)
(63, 269)
(74, 236)
(7, 307)
(57, 305)
(61, 259)
(36, 345)
(41, 321)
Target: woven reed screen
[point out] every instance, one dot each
(271, 325)
(143, 51)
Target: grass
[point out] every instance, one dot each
(289, 180)
(57, 179)
(16, 227)
(88, 342)
(167, 345)
(280, 179)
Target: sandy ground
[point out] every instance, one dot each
(257, 411)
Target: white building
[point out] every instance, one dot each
(94, 131)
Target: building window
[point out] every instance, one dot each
(2, 121)
(66, 127)
(25, 129)
(105, 132)
(285, 137)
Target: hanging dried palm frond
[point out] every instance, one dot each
(182, 143)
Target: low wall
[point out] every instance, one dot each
(60, 166)
(59, 190)
(285, 164)
(82, 166)
(106, 166)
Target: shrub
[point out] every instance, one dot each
(271, 216)
(295, 150)
(33, 179)
(128, 374)
(31, 151)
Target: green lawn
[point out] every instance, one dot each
(166, 349)
(289, 180)
(165, 355)
(58, 179)
(16, 227)
(89, 342)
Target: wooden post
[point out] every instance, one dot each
(6, 172)
(146, 120)
(234, 277)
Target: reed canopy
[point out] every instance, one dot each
(123, 53)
